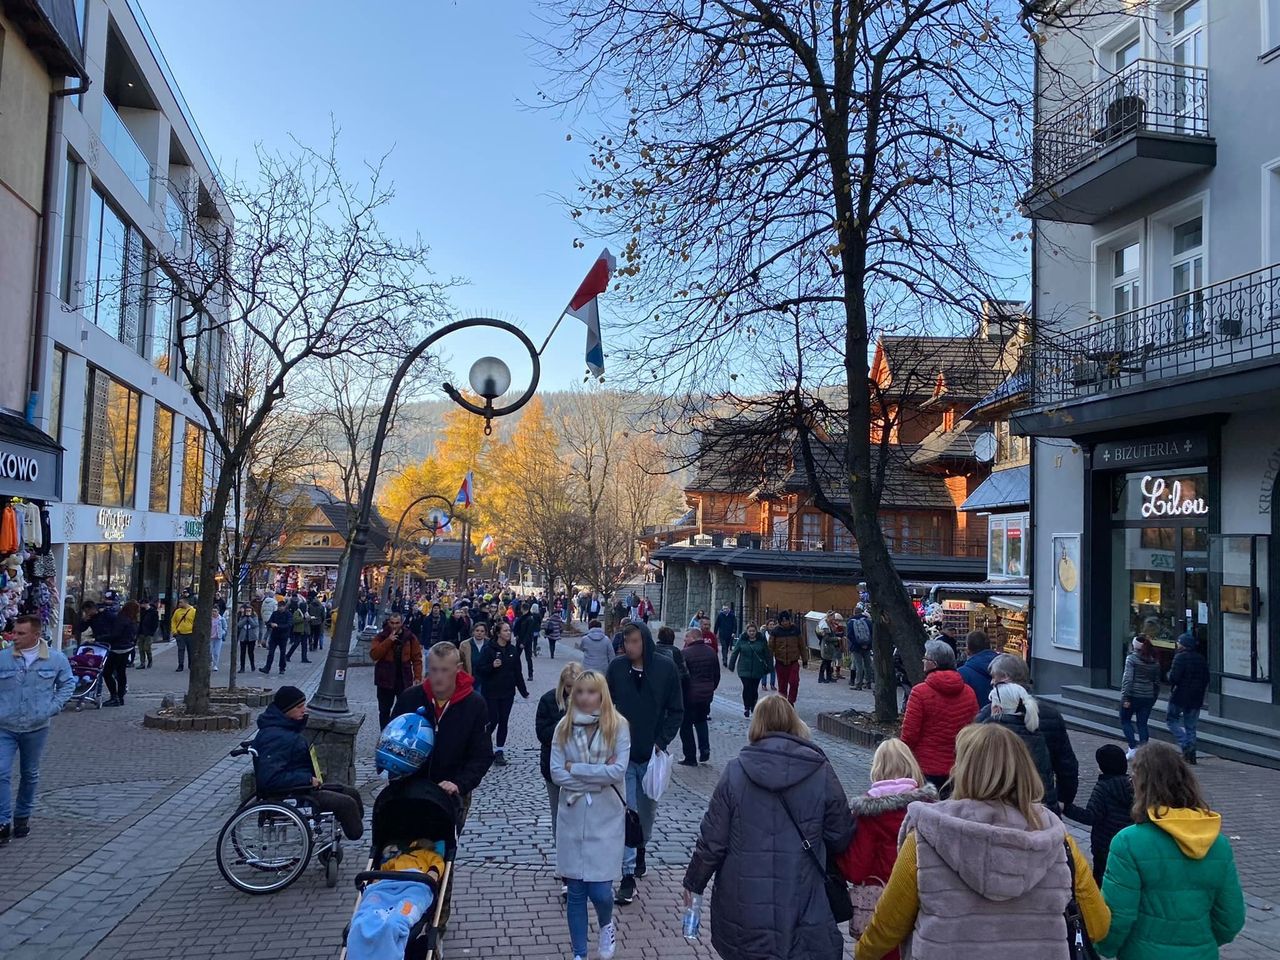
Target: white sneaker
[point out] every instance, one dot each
(1129, 753)
(608, 941)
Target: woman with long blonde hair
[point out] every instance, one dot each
(777, 812)
(992, 857)
(589, 755)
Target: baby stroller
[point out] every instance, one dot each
(86, 666)
(408, 810)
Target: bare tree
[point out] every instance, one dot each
(791, 178)
(294, 268)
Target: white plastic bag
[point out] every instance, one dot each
(658, 775)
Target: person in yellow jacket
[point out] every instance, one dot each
(992, 857)
(184, 621)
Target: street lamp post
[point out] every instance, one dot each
(490, 378)
(395, 541)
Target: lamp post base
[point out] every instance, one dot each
(334, 740)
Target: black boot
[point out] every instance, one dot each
(626, 891)
(1189, 755)
(4, 834)
(21, 826)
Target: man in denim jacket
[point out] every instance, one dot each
(35, 684)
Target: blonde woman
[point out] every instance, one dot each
(589, 756)
(896, 783)
(776, 797)
(992, 858)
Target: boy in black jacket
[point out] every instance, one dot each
(1110, 807)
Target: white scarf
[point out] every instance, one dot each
(587, 746)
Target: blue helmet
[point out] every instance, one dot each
(405, 744)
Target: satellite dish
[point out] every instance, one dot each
(984, 447)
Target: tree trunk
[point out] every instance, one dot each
(214, 518)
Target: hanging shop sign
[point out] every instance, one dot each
(1125, 454)
(28, 471)
(114, 523)
(1165, 498)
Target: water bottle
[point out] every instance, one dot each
(692, 924)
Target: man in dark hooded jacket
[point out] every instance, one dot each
(976, 670)
(646, 690)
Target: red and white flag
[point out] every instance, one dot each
(584, 307)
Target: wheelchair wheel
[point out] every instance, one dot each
(264, 848)
(331, 872)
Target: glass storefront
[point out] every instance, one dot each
(131, 570)
(1159, 561)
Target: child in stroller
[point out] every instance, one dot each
(415, 830)
(87, 664)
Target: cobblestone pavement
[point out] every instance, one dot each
(120, 865)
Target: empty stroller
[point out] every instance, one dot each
(411, 814)
(86, 666)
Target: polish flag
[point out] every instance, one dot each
(584, 306)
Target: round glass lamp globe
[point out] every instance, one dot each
(490, 377)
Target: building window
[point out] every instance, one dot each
(56, 384)
(1126, 278)
(1188, 274)
(193, 470)
(316, 540)
(116, 267)
(841, 538)
(1010, 448)
(1239, 580)
(1270, 26)
(163, 318)
(1271, 211)
(1004, 547)
(811, 530)
(109, 466)
(161, 459)
(735, 512)
(948, 420)
(67, 279)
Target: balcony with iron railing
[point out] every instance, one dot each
(1213, 329)
(1125, 137)
(949, 546)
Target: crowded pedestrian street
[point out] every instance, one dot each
(122, 866)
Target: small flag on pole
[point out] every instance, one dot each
(486, 545)
(465, 492)
(584, 307)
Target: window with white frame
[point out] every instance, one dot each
(1271, 211)
(1004, 546)
(1188, 53)
(1125, 261)
(1187, 273)
(1270, 26)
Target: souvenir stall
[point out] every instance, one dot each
(30, 464)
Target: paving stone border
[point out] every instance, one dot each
(236, 717)
(249, 696)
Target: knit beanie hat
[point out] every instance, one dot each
(287, 698)
(1111, 760)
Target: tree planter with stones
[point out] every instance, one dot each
(232, 716)
(249, 696)
(857, 727)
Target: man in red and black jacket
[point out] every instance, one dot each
(463, 752)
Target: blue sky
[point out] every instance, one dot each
(439, 84)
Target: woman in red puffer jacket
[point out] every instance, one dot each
(937, 710)
(897, 782)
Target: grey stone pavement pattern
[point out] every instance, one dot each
(120, 864)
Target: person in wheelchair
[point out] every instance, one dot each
(283, 763)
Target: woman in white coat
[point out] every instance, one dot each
(589, 755)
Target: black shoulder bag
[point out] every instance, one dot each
(634, 831)
(1079, 946)
(832, 879)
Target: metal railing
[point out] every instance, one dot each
(1147, 96)
(1216, 326)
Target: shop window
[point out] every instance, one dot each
(109, 465)
(1239, 567)
(161, 459)
(1005, 555)
(193, 470)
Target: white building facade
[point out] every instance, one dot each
(1155, 391)
(136, 466)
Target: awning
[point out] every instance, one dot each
(1016, 604)
(30, 461)
(1002, 490)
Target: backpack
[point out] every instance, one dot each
(860, 634)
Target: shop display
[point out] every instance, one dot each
(28, 573)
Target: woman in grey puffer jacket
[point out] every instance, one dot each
(770, 901)
(1138, 691)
